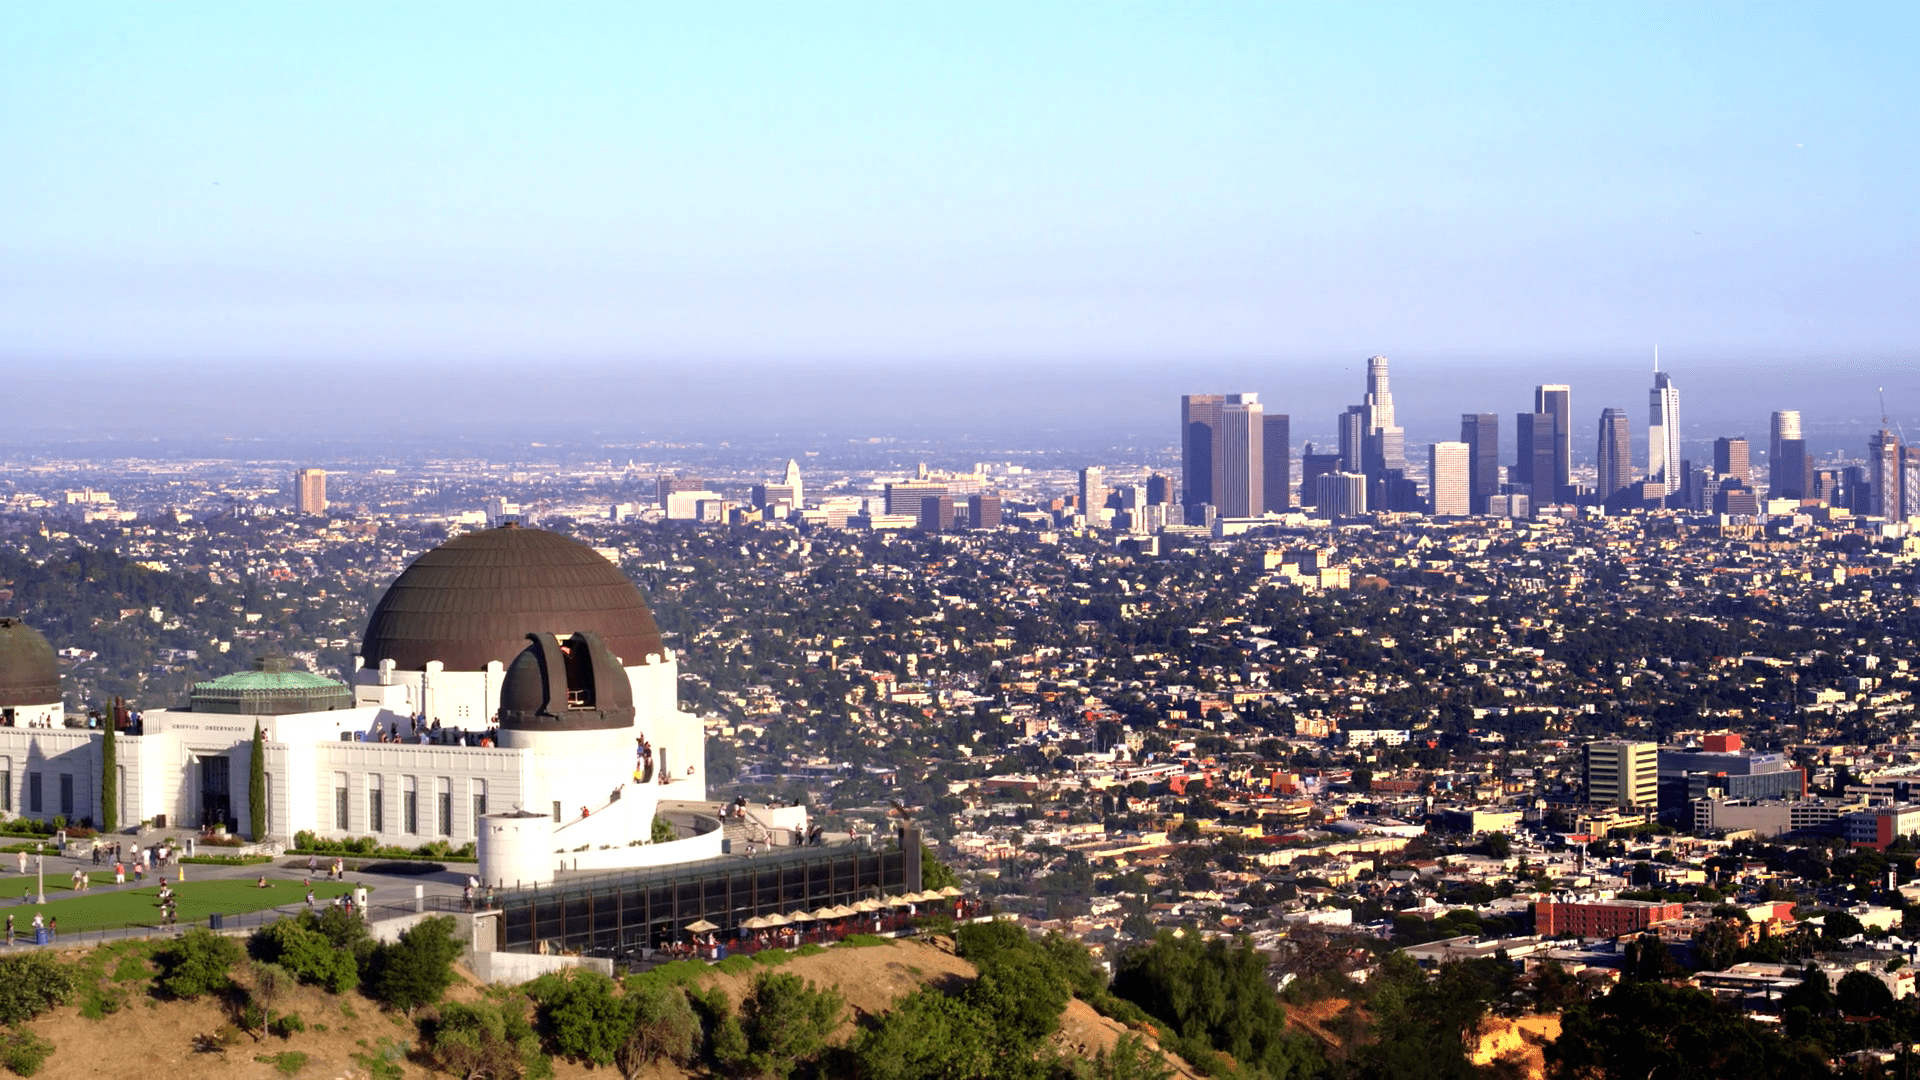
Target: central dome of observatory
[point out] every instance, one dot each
(474, 599)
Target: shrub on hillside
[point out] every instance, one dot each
(30, 985)
(927, 1034)
(786, 1021)
(1215, 998)
(325, 950)
(663, 1028)
(201, 962)
(486, 1039)
(22, 1051)
(418, 968)
(580, 1015)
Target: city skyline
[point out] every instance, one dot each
(1370, 472)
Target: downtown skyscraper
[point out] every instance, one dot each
(1883, 475)
(1448, 470)
(1533, 463)
(1223, 456)
(1663, 433)
(1277, 472)
(1240, 487)
(1199, 451)
(1613, 456)
(1789, 469)
(1481, 433)
(1384, 445)
(1556, 400)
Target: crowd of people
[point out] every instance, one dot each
(429, 732)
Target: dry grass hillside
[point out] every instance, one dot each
(159, 1040)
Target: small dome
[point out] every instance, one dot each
(272, 688)
(29, 670)
(474, 599)
(571, 684)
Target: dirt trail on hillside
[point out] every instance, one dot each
(1522, 1041)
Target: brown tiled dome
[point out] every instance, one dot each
(29, 671)
(475, 598)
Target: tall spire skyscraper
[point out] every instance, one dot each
(1663, 431)
(1384, 445)
(1379, 398)
(1883, 473)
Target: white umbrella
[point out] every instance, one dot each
(799, 916)
(700, 926)
(949, 891)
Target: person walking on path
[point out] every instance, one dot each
(9, 931)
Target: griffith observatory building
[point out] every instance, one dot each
(512, 690)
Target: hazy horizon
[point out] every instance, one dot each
(362, 410)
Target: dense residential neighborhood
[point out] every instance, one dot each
(1568, 743)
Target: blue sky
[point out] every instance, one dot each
(899, 183)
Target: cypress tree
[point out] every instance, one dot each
(257, 785)
(109, 777)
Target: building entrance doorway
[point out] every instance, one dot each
(216, 792)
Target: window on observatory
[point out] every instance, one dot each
(6, 785)
(410, 806)
(479, 804)
(66, 795)
(376, 805)
(445, 806)
(33, 796)
(340, 801)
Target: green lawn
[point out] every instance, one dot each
(141, 907)
(13, 886)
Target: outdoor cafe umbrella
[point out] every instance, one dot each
(700, 926)
(949, 891)
(828, 912)
(775, 919)
(799, 916)
(756, 923)
(868, 904)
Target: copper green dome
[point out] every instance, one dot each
(272, 688)
(474, 599)
(29, 670)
